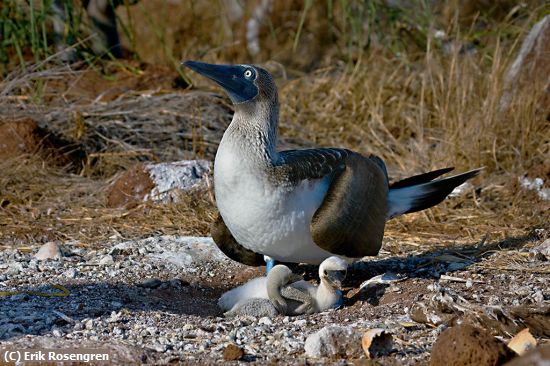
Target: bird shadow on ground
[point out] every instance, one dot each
(37, 315)
(428, 265)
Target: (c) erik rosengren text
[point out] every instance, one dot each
(51, 355)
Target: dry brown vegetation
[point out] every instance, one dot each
(406, 97)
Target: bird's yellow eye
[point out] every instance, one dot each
(248, 74)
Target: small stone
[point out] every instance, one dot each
(233, 352)
(89, 324)
(107, 260)
(334, 341)
(49, 250)
(543, 249)
(151, 283)
(71, 273)
(14, 268)
(159, 347)
(114, 317)
(57, 333)
(265, 320)
(538, 297)
(422, 313)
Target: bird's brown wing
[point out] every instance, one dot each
(229, 246)
(351, 219)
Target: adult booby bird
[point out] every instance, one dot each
(301, 205)
(286, 293)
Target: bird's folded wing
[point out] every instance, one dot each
(298, 165)
(351, 219)
(291, 293)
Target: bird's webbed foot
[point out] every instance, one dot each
(280, 304)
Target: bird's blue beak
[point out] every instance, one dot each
(229, 77)
(336, 278)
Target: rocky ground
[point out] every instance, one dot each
(154, 300)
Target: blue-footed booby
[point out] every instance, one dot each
(301, 206)
(287, 293)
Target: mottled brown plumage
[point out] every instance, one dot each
(351, 220)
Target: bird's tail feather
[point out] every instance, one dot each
(421, 191)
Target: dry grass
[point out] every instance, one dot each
(438, 112)
(419, 110)
(41, 203)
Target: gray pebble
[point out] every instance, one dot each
(57, 333)
(49, 250)
(71, 273)
(107, 260)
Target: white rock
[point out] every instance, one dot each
(57, 333)
(14, 268)
(50, 250)
(187, 251)
(180, 175)
(71, 273)
(265, 320)
(89, 324)
(107, 260)
(334, 340)
(543, 248)
(300, 322)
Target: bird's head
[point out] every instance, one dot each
(333, 270)
(243, 83)
(281, 275)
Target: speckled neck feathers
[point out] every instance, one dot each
(253, 129)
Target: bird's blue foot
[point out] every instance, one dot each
(269, 263)
(340, 301)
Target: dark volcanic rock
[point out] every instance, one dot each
(466, 345)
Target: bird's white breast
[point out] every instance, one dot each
(267, 218)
